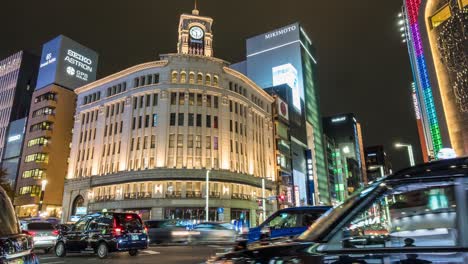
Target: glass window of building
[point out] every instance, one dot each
(153, 141)
(173, 98)
(208, 101)
(215, 103)
(183, 77)
(181, 119)
(199, 120)
(174, 77)
(172, 140)
(208, 121)
(172, 119)
(190, 141)
(215, 122)
(207, 79)
(181, 98)
(199, 100)
(191, 78)
(155, 99)
(155, 120)
(199, 78)
(191, 98)
(215, 80)
(190, 119)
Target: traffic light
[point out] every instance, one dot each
(281, 198)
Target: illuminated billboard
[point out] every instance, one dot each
(287, 74)
(66, 63)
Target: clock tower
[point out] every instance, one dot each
(195, 36)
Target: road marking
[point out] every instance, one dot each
(56, 262)
(48, 258)
(151, 252)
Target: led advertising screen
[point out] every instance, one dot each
(66, 63)
(274, 58)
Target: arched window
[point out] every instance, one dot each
(208, 79)
(191, 77)
(215, 80)
(174, 77)
(200, 79)
(78, 202)
(183, 77)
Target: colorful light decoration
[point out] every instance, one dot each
(413, 7)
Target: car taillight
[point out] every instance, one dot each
(117, 231)
(31, 233)
(146, 230)
(55, 232)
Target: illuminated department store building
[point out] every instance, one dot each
(144, 138)
(436, 37)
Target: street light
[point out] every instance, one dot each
(207, 208)
(41, 198)
(410, 151)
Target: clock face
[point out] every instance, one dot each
(196, 32)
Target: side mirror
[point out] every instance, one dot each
(265, 233)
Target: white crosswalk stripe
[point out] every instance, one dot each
(151, 252)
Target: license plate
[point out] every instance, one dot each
(135, 237)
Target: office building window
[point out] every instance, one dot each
(215, 103)
(155, 120)
(172, 119)
(190, 119)
(208, 121)
(181, 98)
(173, 98)
(155, 99)
(181, 119)
(199, 120)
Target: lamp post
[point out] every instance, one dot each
(41, 198)
(410, 151)
(207, 208)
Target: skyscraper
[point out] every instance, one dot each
(345, 131)
(439, 66)
(18, 75)
(64, 66)
(286, 56)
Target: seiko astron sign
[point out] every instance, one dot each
(66, 63)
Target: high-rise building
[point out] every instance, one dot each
(291, 145)
(337, 171)
(154, 132)
(286, 56)
(440, 70)
(346, 133)
(377, 162)
(64, 66)
(18, 74)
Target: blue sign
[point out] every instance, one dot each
(66, 63)
(220, 210)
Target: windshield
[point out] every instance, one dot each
(8, 221)
(329, 220)
(40, 226)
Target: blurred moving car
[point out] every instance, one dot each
(287, 222)
(213, 232)
(14, 246)
(103, 233)
(44, 234)
(417, 215)
(167, 231)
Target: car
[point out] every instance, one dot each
(103, 233)
(44, 234)
(15, 247)
(417, 215)
(167, 231)
(213, 232)
(288, 222)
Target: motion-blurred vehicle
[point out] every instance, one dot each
(288, 222)
(103, 233)
(167, 231)
(44, 234)
(417, 215)
(15, 247)
(213, 232)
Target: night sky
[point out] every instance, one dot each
(363, 66)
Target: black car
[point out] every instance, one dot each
(103, 233)
(418, 215)
(167, 231)
(15, 247)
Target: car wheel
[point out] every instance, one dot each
(60, 250)
(133, 252)
(102, 251)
